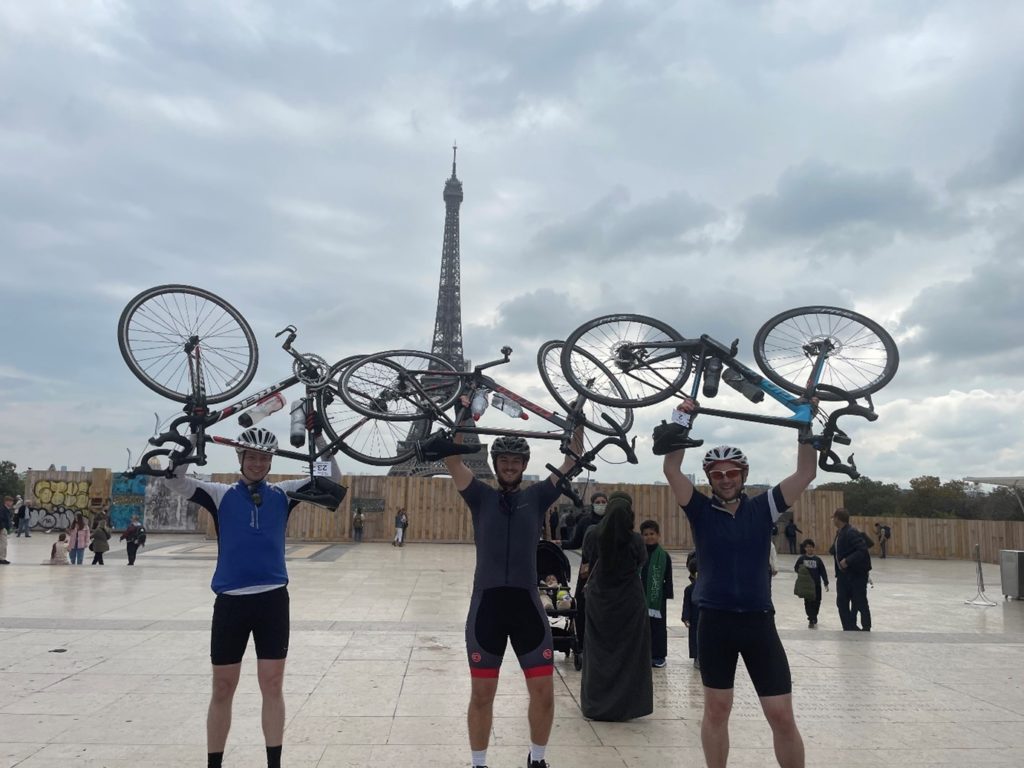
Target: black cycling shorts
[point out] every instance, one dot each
(724, 636)
(503, 614)
(264, 615)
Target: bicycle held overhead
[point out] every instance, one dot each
(419, 387)
(810, 353)
(192, 347)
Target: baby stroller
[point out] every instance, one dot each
(552, 560)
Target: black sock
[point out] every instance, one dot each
(213, 759)
(274, 757)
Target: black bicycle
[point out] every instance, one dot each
(823, 353)
(193, 347)
(423, 390)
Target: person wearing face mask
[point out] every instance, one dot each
(737, 618)
(598, 504)
(250, 581)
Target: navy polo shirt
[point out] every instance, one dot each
(732, 551)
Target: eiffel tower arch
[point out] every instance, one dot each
(447, 341)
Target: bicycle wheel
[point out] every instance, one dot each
(400, 385)
(636, 349)
(862, 357)
(157, 324)
(549, 363)
(370, 441)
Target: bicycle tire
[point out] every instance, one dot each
(369, 441)
(617, 343)
(381, 386)
(155, 325)
(549, 363)
(864, 358)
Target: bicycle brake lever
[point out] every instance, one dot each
(564, 484)
(830, 461)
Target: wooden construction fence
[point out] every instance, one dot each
(929, 538)
(438, 514)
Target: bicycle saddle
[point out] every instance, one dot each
(672, 437)
(439, 446)
(321, 491)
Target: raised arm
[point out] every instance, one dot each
(806, 470)
(461, 474)
(321, 444)
(677, 481)
(576, 446)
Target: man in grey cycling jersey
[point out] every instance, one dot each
(505, 605)
(250, 581)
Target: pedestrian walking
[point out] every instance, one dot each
(134, 537)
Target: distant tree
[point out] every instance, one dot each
(865, 496)
(930, 497)
(10, 483)
(1001, 504)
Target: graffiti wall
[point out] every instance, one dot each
(127, 498)
(55, 497)
(166, 511)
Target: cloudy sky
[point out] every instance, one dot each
(706, 163)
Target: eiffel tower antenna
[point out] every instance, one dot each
(447, 342)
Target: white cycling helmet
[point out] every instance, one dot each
(256, 439)
(725, 453)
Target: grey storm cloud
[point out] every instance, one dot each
(1004, 162)
(962, 322)
(844, 209)
(613, 227)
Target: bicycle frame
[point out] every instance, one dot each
(471, 381)
(707, 347)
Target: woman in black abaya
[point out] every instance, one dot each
(616, 682)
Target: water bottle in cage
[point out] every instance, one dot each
(752, 392)
(298, 429)
(509, 407)
(712, 375)
(268, 405)
(478, 404)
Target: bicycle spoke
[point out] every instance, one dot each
(860, 357)
(639, 351)
(158, 324)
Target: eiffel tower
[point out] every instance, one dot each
(448, 336)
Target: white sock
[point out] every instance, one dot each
(479, 758)
(537, 752)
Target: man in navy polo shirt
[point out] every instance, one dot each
(733, 535)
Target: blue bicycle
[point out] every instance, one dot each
(823, 353)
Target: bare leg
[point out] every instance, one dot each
(218, 717)
(714, 728)
(542, 708)
(789, 747)
(481, 711)
(270, 673)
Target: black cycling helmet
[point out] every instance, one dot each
(508, 445)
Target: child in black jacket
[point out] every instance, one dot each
(816, 568)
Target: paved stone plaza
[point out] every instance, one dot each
(108, 666)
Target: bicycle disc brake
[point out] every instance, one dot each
(311, 370)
